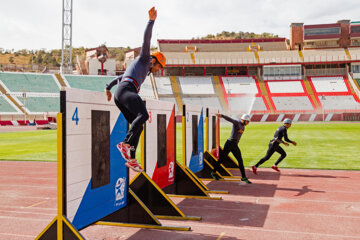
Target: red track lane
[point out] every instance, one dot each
(296, 204)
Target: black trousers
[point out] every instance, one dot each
(231, 146)
(273, 147)
(132, 106)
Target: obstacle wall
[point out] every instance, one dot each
(194, 134)
(96, 179)
(213, 137)
(160, 149)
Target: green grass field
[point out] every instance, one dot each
(320, 146)
(28, 146)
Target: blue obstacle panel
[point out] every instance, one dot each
(194, 134)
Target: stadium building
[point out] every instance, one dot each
(313, 76)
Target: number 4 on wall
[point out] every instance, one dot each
(75, 116)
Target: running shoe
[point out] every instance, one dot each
(134, 165)
(124, 150)
(244, 179)
(275, 168)
(254, 169)
(215, 176)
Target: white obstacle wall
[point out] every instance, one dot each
(213, 121)
(162, 175)
(84, 204)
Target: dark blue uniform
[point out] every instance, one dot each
(274, 146)
(126, 96)
(231, 145)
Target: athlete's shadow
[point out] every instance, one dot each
(302, 191)
(226, 212)
(160, 234)
(263, 175)
(313, 176)
(241, 189)
(256, 189)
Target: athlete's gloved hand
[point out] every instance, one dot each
(286, 144)
(152, 14)
(294, 143)
(108, 95)
(218, 115)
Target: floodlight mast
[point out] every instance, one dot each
(66, 51)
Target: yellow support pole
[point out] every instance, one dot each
(59, 177)
(184, 136)
(207, 130)
(142, 143)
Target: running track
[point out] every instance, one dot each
(296, 204)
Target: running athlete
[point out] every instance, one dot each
(231, 145)
(127, 98)
(274, 146)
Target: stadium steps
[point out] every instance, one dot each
(219, 92)
(257, 56)
(3, 91)
(310, 91)
(60, 80)
(265, 93)
(347, 53)
(176, 91)
(192, 56)
(153, 84)
(301, 55)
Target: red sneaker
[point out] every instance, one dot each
(254, 169)
(134, 165)
(124, 150)
(275, 168)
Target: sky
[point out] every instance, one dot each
(37, 24)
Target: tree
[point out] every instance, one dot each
(11, 59)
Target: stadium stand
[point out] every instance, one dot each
(279, 57)
(339, 103)
(243, 95)
(196, 85)
(6, 107)
(30, 82)
(247, 104)
(354, 53)
(328, 55)
(285, 86)
(36, 103)
(163, 85)
(239, 85)
(358, 81)
(43, 104)
(329, 84)
(146, 90)
(210, 58)
(292, 104)
(92, 83)
(236, 45)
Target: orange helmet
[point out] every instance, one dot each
(160, 57)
